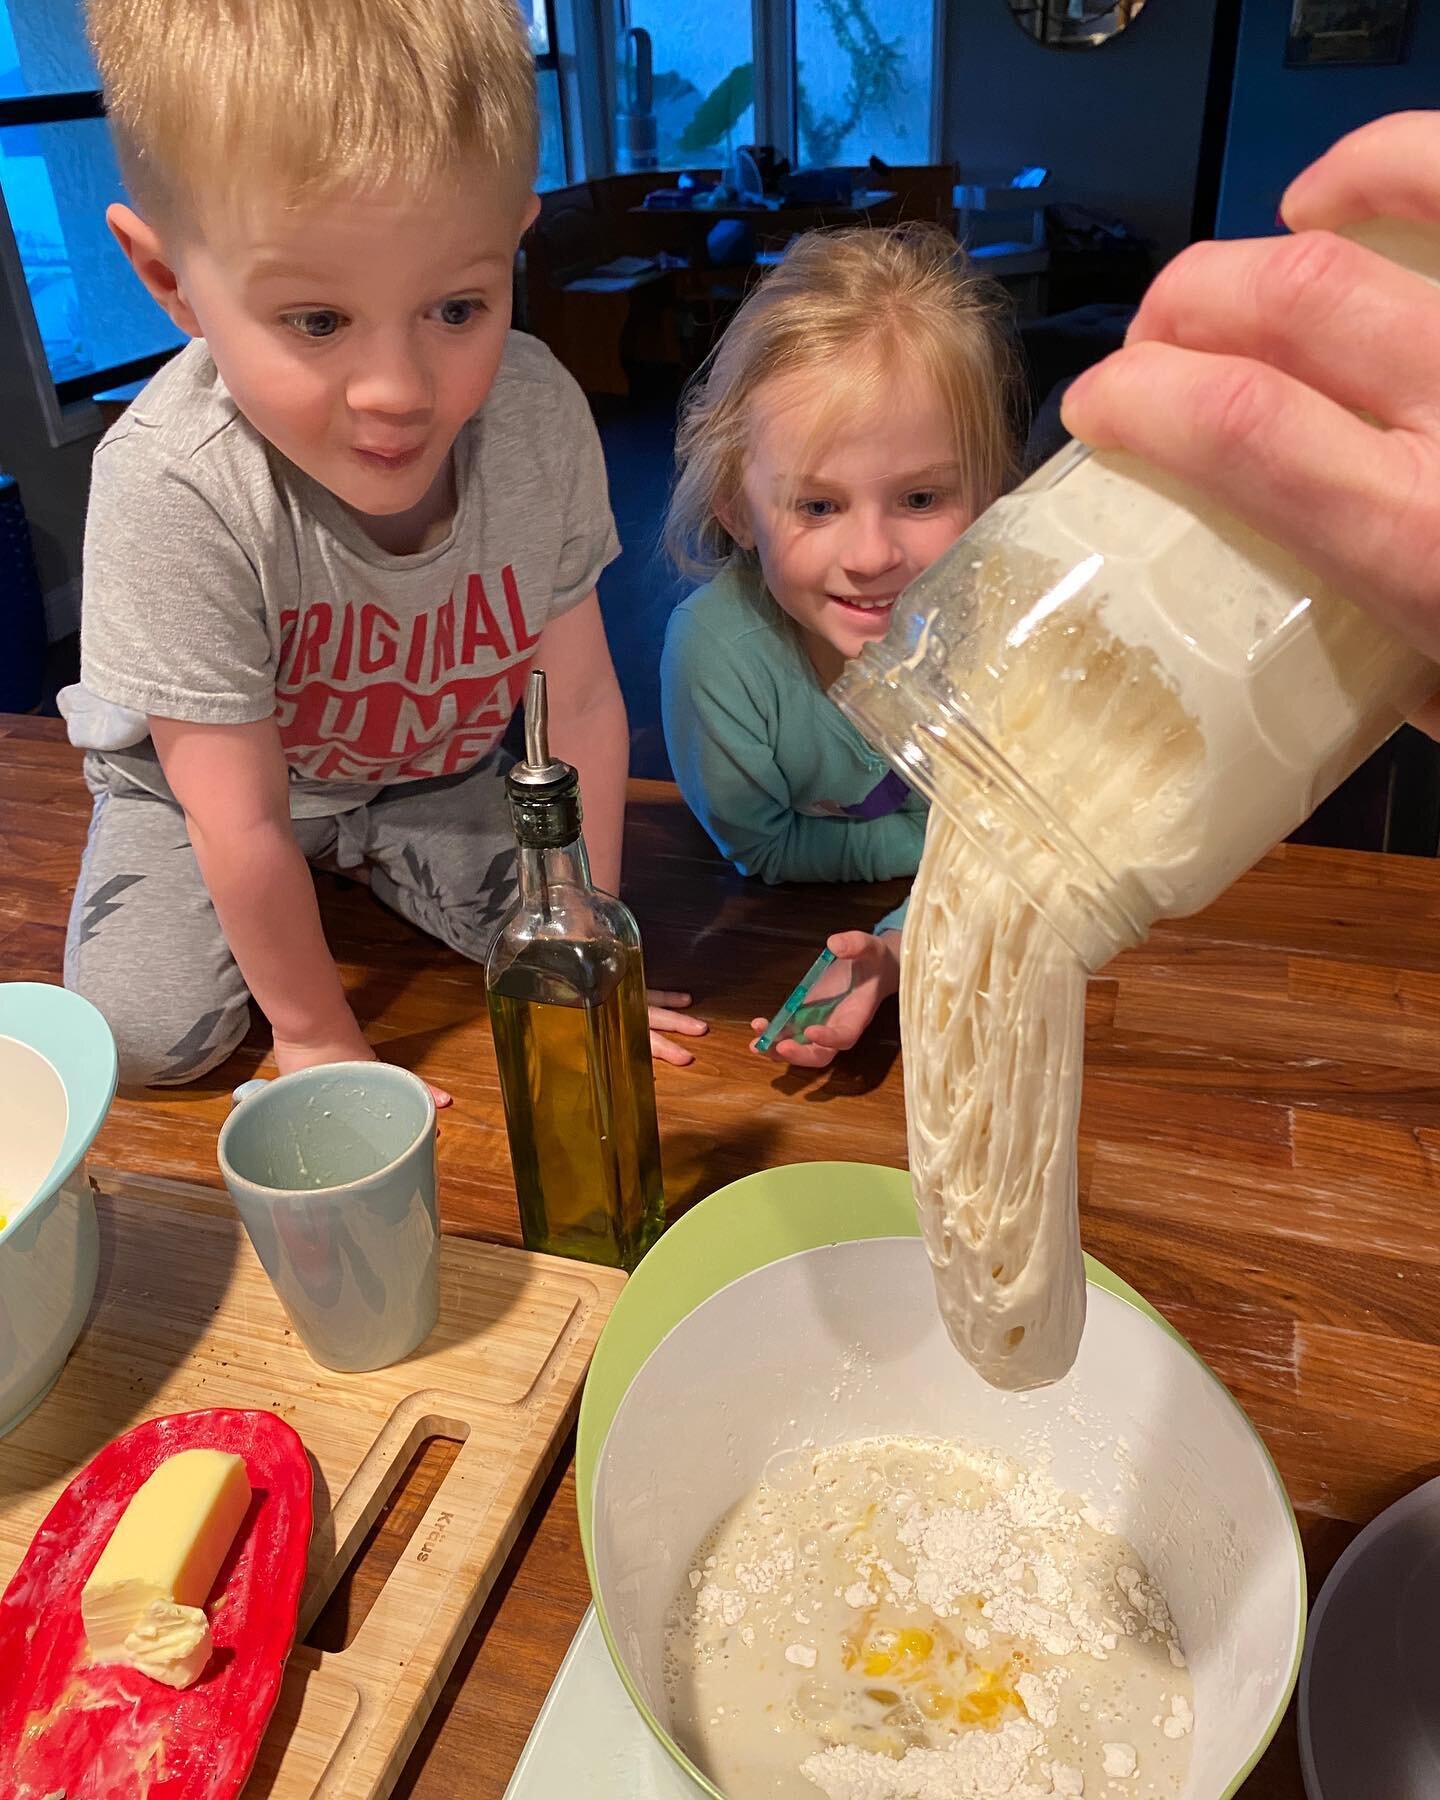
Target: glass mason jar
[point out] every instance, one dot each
(1123, 696)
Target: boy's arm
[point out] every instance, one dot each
(588, 728)
(231, 781)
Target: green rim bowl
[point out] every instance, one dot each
(755, 1304)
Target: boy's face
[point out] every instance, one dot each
(842, 523)
(356, 335)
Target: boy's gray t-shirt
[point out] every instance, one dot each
(223, 585)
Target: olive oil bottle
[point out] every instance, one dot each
(566, 991)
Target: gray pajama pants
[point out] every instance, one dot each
(144, 944)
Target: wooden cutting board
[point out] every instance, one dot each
(184, 1318)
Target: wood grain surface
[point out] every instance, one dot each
(185, 1319)
(1260, 1156)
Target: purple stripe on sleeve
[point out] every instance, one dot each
(888, 797)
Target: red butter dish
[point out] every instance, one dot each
(112, 1733)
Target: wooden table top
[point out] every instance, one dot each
(1260, 1156)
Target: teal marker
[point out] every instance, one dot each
(795, 1013)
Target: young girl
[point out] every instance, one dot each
(851, 424)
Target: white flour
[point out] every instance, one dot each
(923, 1622)
(984, 1763)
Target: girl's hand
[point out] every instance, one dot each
(663, 1017)
(341, 1046)
(866, 971)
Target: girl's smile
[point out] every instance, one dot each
(842, 524)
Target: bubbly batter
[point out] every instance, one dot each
(898, 1619)
(993, 1000)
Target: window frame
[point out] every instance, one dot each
(580, 146)
(583, 38)
(68, 407)
(773, 26)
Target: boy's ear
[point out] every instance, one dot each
(146, 255)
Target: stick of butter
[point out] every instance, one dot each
(144, 1602)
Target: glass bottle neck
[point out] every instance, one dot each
(541, 870)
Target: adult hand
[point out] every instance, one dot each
(1248, 363)
(664, 1017)
(865, 971)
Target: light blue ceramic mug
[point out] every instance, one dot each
(332, 1171)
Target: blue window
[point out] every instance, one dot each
(97, 326)
(695, 81)
(863, 80)
(554, 168)
(687, 83)
(554, 160)
(43, 49)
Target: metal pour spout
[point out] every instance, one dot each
(539, 768)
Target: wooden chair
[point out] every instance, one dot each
(586, 322)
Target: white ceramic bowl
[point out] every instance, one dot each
(57, 1078)
(709, 1391)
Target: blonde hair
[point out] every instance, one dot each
(317, 95)
(848, 308)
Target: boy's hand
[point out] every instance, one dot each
(341, 1046)
(866, 971)
(663, 1017)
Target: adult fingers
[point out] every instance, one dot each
(1337, 317)
(1360, 506)
(1388, 169)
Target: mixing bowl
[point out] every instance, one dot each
(796, 1307)
(57, 1079)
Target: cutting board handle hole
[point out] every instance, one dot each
(362, 1582)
